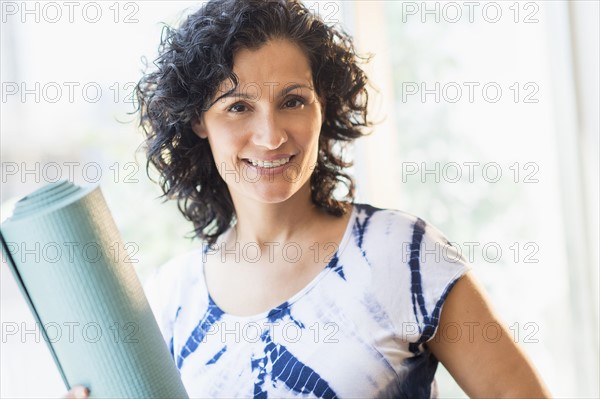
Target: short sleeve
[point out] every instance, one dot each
(413, 268)
(436, 265)
(160, 301)
(164, 289)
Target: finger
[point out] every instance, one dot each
(78, 392)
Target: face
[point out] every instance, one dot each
(264, 136)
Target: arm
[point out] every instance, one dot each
(482, 368)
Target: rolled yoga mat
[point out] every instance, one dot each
(68, 258)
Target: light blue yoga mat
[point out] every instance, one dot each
(68, 258)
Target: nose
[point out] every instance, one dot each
(268, 131)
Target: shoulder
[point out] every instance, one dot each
(412, 261)
(164, 287)
(401, 239)
(382, 224)
(172, 271)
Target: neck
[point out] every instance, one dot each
(281, 222)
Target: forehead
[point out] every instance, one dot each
(277, 63)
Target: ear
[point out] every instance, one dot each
(199, 128)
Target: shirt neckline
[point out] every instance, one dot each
(294, 298)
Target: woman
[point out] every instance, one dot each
(297, 291)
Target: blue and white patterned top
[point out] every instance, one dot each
(356, 330)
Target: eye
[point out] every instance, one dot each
(237, 108)
(294, 102)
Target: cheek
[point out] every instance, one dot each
(310, 142)
(308, 130)
(314, 138)
(224, 142)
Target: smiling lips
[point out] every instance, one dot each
(274, 163)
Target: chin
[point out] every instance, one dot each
(271, 193)
(273, 196)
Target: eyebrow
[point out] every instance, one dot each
(294, 87)
(238, 94)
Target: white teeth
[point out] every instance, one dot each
(269, 164)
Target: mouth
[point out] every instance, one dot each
(268, 164)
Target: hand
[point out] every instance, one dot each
(77, 392)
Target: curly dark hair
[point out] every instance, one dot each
(197, 57)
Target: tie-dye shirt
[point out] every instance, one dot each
(358, 329)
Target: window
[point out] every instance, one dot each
(478, 136)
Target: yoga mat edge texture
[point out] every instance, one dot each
(73, 269)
